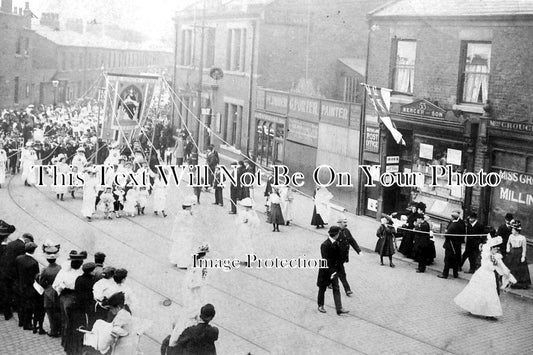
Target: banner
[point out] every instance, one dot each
(127, 102)
(380, 98)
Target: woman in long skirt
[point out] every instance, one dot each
(90, 189)
(516, 256)
(275, 210)
(160, 195)
(183, 234)
(480, 296)
(322, 207)
(247, 223)
(193, 296)
(385, 243)
(287, 197)
(406, 246)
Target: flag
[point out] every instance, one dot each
(380, 98)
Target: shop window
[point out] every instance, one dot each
(510, 161)
(18, 48)
(404, 66)
(428, 151)
(350, 89)
(236, 49)
(26, 46)
(475, 71)
(187, 51)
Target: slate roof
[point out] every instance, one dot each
(75, 39)
(453, 8)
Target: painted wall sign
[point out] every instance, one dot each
(423, 108)
(372, 139)
(276, 102)
(304, 107)
(511, 126)
(335, 112)
(303, 132)
(513, 195)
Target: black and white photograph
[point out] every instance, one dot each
(248, 177)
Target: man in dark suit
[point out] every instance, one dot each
(474, 232)
(5, 231)
(452, 245)
(422, 243)
(330, 252)
(200, 339)
(345, 241)
(504, 231)
(27, 270)
(212, 160)
(8, 270)
(235, 190)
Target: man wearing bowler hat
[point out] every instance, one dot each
(200, 339)
(474, 237)
(330, 251)
(454, 237)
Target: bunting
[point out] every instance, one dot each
(380, 98)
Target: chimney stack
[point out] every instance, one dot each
(7, 6)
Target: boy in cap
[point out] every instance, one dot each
(329, 251)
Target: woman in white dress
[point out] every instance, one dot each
(193, 296)
(62, 169)
(3, 162)
(183, 235)
(247, 223)
(286, 198)
(160, 195)
(90, 191)
(322, 207)
(28, 158)
(130, 204)
(480, 296)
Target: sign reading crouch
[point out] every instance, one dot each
(423, 108)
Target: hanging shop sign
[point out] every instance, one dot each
(423, 108)
(372, 139)
(303, 132)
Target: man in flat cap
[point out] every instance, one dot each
(345, 241)
(330, 252)
(453, 238)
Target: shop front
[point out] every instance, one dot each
(270, 138)
(434, 141)
(511, 156)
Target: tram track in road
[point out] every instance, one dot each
(143, 284)
(248, 274)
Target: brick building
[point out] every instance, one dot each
(462, 95)
(15, 56)
(69, 60)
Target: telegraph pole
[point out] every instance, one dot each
(200, 80)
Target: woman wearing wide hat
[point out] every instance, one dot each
(516, 256)
(385, 243)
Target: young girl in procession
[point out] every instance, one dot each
(90, 191)
(275, 210)
(183, 235)
(118, 205)
(516, 256)
(106, 202)
(193, 295)
(130, 205)
(61, 187)
(247, 223)
(142, 199)
(480, 296)
(160, 195)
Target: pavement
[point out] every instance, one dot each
(268, 311)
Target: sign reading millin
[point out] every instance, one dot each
(423, 108)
